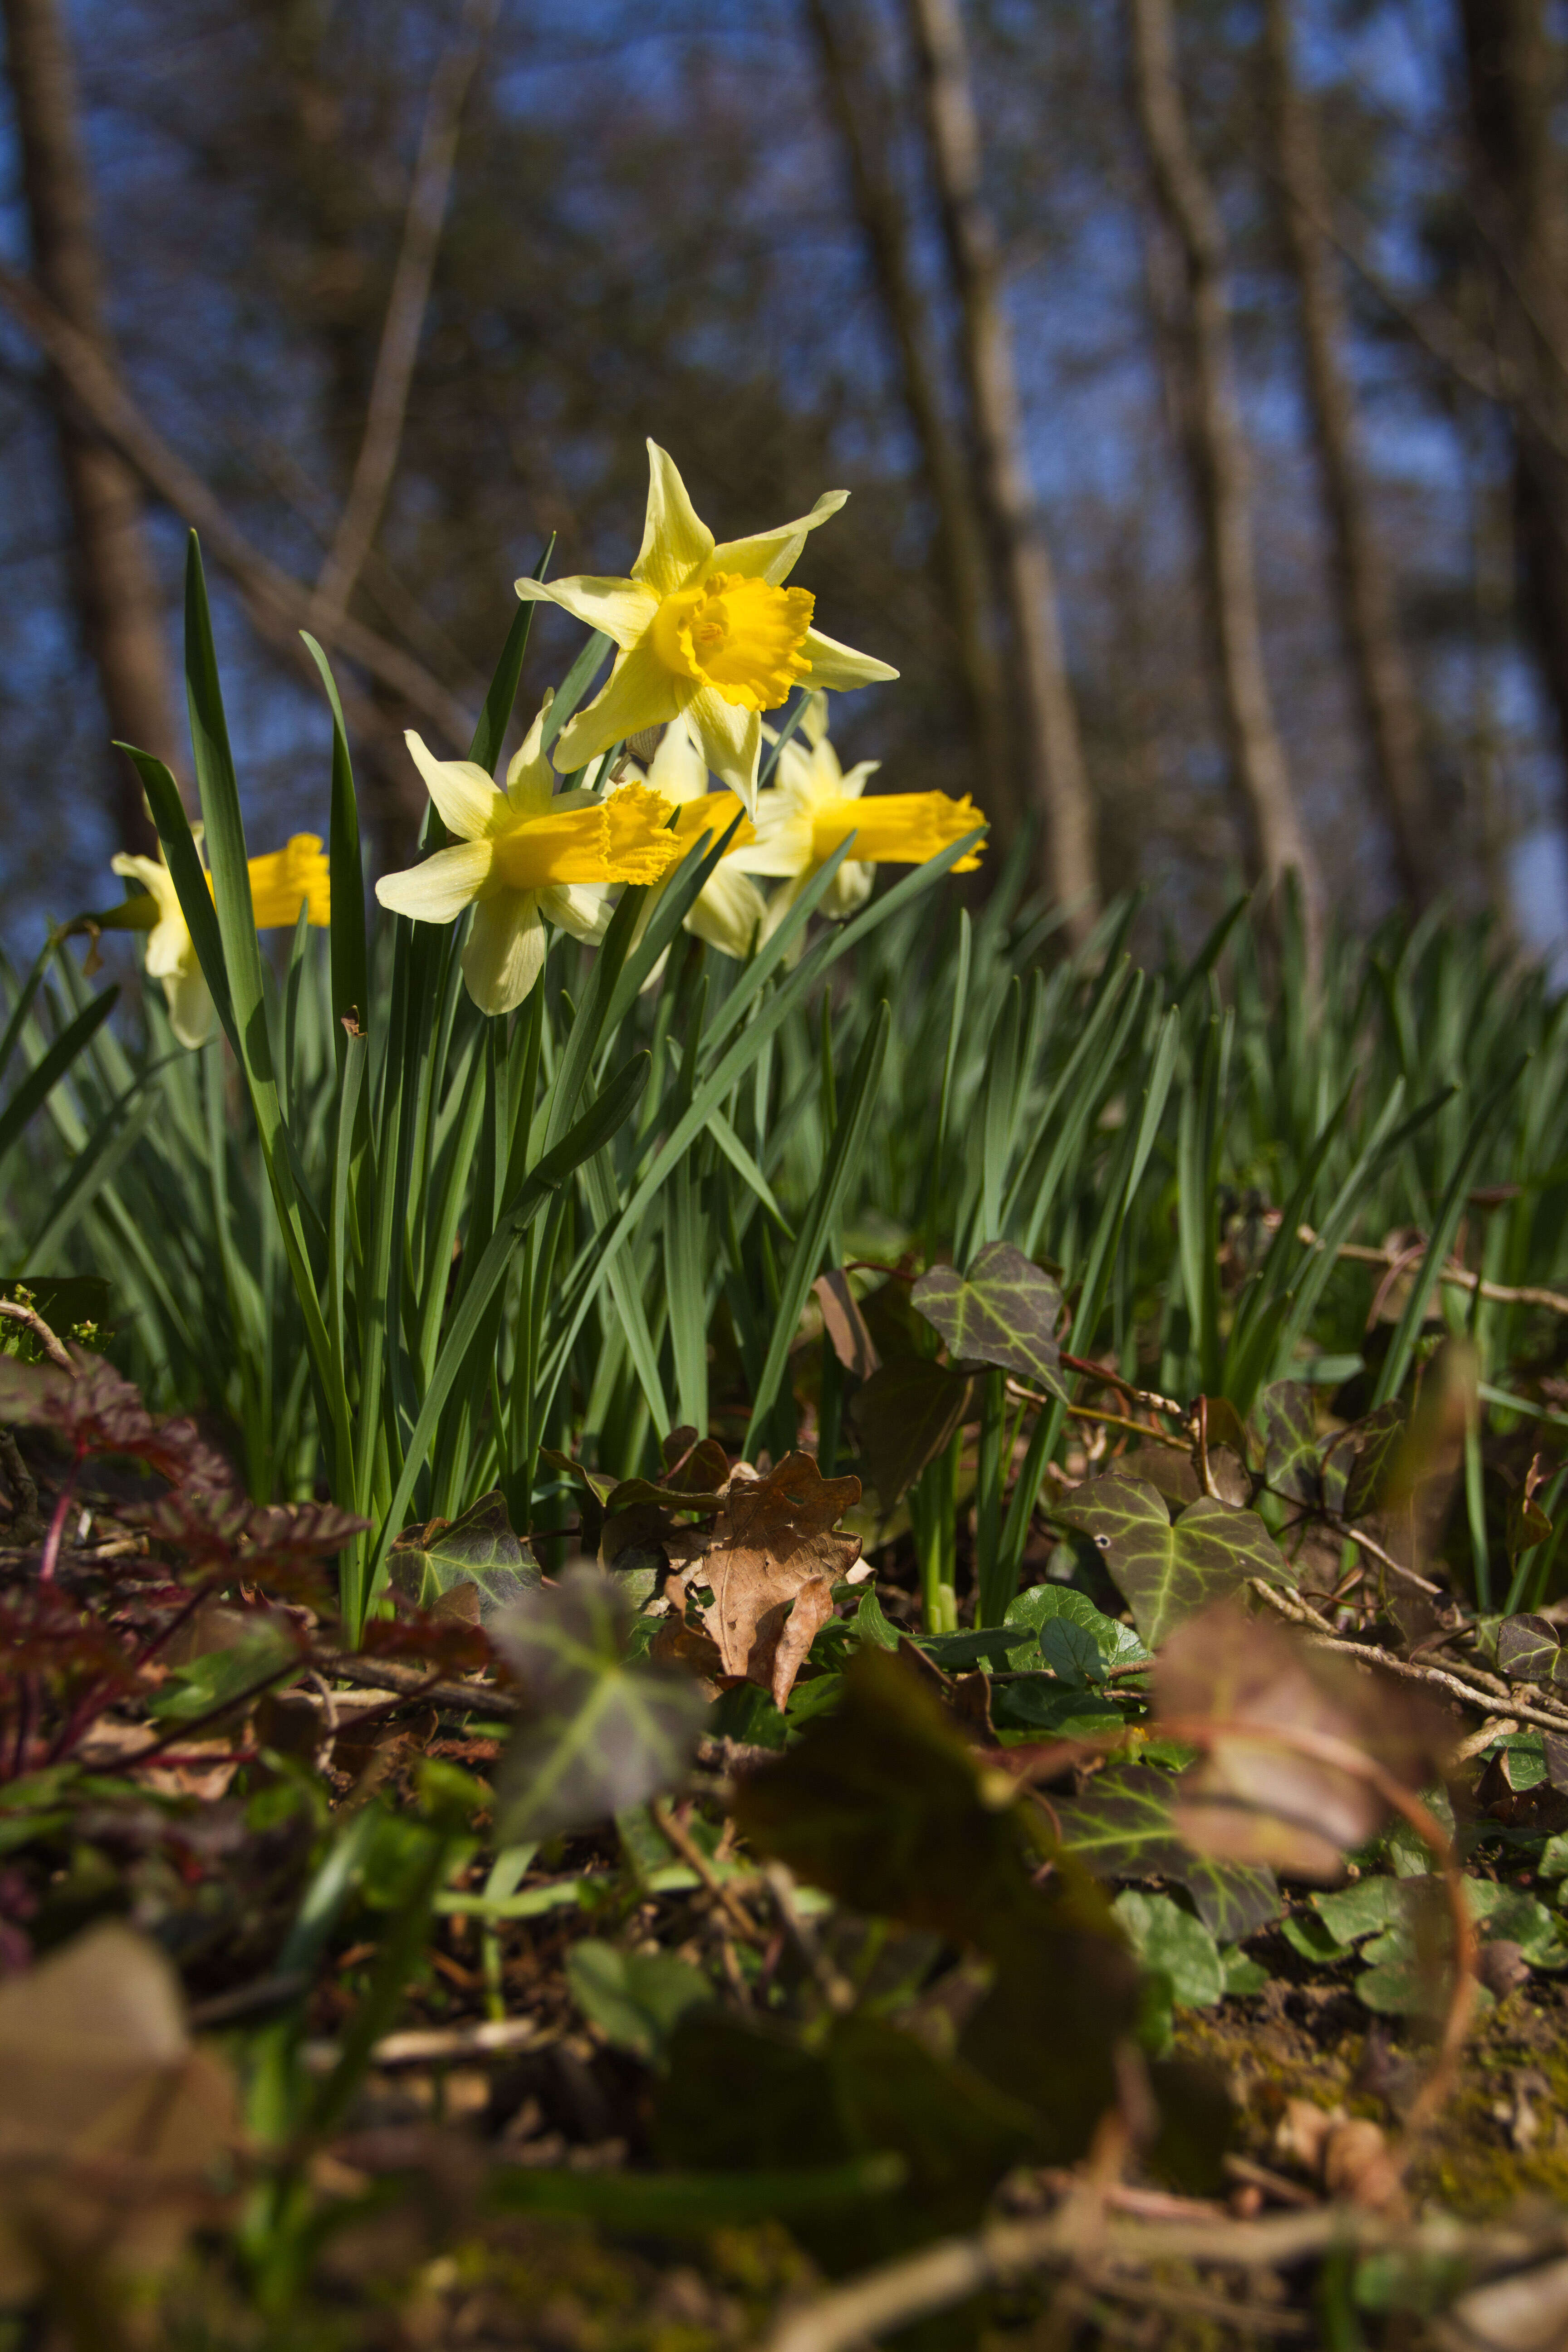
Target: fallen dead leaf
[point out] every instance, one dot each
(1255, 1799)
(771, 1565)
(112, 2121)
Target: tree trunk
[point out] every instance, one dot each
(1364, 590)
(1059, 784)
(119, 604)
(1217, 457)
(1514, 72)
(961, 553)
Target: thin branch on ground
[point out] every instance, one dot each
(30, 1316)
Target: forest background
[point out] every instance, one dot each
(1200, 374)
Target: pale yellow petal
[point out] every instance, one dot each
(622, 608)
(676, 541)
(677, 769)
(729, 911)
(503, 954)
(849, 888)
(729, 740)
(773, 555)
(191, 1012)
(583, 909)
(464, 795)
(814, 717)
(839, 665)
(639, 692)
(438, 890)
(782, 845)
(850, 787)
(530, 777)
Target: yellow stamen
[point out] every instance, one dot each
(621, 840)
(895, 828)
(740, 637)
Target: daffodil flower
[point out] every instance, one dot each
(280, 883)
(728, 909)
(704, 631)
(521, 855)
(814, 806)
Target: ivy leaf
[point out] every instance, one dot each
(1527, 1650)
(1169, 1574)
(1377, 1441)
(1043, 1604)
(1286, 1427)
(636, 1998)
(1005, 1311)
(601, 1732)
(904, 1414)
(478, 1548)
(1123, 1826)
(1071, 1652)
(1173, 1944)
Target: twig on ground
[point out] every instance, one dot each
(1459, 1276)
(1445, 1678)
(682, 1842)
(56, 1349)
(415, 1683)
(914, 2285)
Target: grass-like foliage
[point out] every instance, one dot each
(768, 1485)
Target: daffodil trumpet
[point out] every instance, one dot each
(728, 909)
(282, 883)
(704, 631)
(523, 857)
(815, 808)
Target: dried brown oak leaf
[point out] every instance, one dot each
(112, 2121)
(775, 1558)
(1256, 1798)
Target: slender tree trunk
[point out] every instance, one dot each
(1059, 783)
(117, 601)
(1365, 591)
(1216, 456)
(855, 98)
(1521, 201)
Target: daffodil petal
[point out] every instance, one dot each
(191, 1012)
(772, 555)
(464, 795)
(639, 692)
(530, 777)
(622, 608)
(438, 890)
(503, 954)
(583, 909)
(677, 769)
(729, 911)
(850, 787)
(850, 887)
(782, 845)
(729, 740)
(676, 540)
(833, 665)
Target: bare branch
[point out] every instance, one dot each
(279, 603)
(405, 320)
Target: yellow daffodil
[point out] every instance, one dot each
(280, 883)
(708, 632)
(524, 855)
(814, 806)
(729, 908)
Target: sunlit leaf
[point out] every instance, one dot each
(1005, 1311)
(478, 1548)
(1124, 1825)
(600, 1733)
(1168, 1572)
